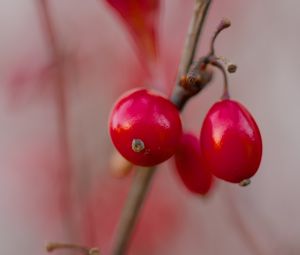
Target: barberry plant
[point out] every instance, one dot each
(146, 129)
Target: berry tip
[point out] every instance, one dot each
(137, 145)
(245, 182)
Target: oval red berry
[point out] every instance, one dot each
(191, 167)
(231, 141)
(145, 127)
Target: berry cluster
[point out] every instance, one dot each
(146, 129)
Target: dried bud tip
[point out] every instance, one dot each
(94, 251)
(137, 145)
(225, 23)
(245, 182)
(231, 68)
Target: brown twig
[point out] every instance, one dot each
(143, 177)
(180, 95)
(199, 74)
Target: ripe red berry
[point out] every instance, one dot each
(145, 127)
(231, 142)
(191, 167)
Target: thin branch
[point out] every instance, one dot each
(143, 177)
(195, 28)
(180, 95)
(130, 213)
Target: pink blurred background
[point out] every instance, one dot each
(48, 196)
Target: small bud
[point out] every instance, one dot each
(225, 22)
(231, 68)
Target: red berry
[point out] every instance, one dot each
(145, 127)
(231, 142)
(191, 166)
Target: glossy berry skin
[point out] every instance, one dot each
(191, 167)
(231, 142)
(145, 127)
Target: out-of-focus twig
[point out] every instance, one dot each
(60, 97)
(241, 224)
(60, 246)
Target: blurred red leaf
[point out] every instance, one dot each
(140, 17)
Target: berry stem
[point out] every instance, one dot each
(217, 64)
(215, 61)
(198, 75)
(198, 70)
(225, 23)
(180, 95)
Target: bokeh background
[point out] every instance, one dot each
(55, 182)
